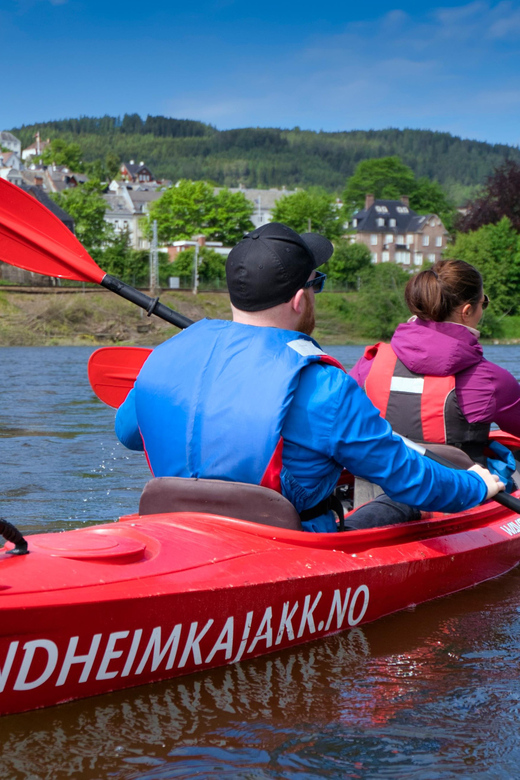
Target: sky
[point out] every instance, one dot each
(331, 66)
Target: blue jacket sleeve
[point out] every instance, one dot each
(364, 443)
(127, 429)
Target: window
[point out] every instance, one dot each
(389, 238)
(432, 258)
(417, 258)
(392, 223)
(373, 239)
(438, 241)
(426, 240)
(402, 210)
(385, 257)
(381, 209)
(400, 239)
(402, 257)
(380, 222)
(354, 223)
(409, 238)
(374, 257)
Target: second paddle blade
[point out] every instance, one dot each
(112, 372)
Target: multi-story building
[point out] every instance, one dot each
(395, 233)
(11, 142)
(136, 172)
(126, 205)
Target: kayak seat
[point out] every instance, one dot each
(458, 457)
(217, 497)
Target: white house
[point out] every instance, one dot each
(9, 141)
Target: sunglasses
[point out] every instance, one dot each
(485, 302)
(316, 283)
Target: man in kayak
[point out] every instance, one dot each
(256, 400)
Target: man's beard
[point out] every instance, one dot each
(307, 319)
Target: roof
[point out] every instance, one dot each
(35, 144)
(117, 205)
(134, 168)
(265, 199)
(406, 219)
(5, 135)
(42, 196)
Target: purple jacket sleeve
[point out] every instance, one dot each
(489, 393)
(360, 371)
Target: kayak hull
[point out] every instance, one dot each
(151, 598)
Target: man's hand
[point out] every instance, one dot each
(493, 483)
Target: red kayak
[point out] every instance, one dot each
(163, 594)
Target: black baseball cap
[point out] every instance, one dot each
(271, 264)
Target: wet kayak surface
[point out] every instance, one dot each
(433, 692)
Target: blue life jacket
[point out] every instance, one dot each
(211, 401)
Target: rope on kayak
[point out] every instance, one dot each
(12, 534)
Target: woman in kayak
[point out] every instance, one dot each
(432, 382)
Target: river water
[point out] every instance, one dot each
(429, 693)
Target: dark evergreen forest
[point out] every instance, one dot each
(271, 157)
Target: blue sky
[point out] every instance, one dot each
(329, 66)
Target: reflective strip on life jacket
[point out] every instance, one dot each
(413, 404)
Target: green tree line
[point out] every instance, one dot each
(273, 157)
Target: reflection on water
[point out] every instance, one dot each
(428, 693)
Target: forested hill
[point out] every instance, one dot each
(270, 157)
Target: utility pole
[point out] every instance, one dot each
(196, 269)
(154, 262)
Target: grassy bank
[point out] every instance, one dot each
(99, 318)
(75, 318)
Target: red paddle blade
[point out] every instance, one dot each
(33, 238)
(112, 372)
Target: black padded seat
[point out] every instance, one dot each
(456, 456)
(217, 497)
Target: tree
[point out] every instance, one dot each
(62, 153)
(386, 177)
(313, 210)
(211, 264)
(499, 198)
(389, 178)
(380, 304)
(495, 251)
(347, 262)
(428, 197)
(104, 171)
(232, 217)
(192, 207)
(87, 207)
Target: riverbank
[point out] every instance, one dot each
(66, 317)
(54, 317)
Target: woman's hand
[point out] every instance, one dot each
(493, 483)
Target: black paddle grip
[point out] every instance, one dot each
(506, 499)
(150, 305)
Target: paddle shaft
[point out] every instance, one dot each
(150, 305)
(506, 499)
